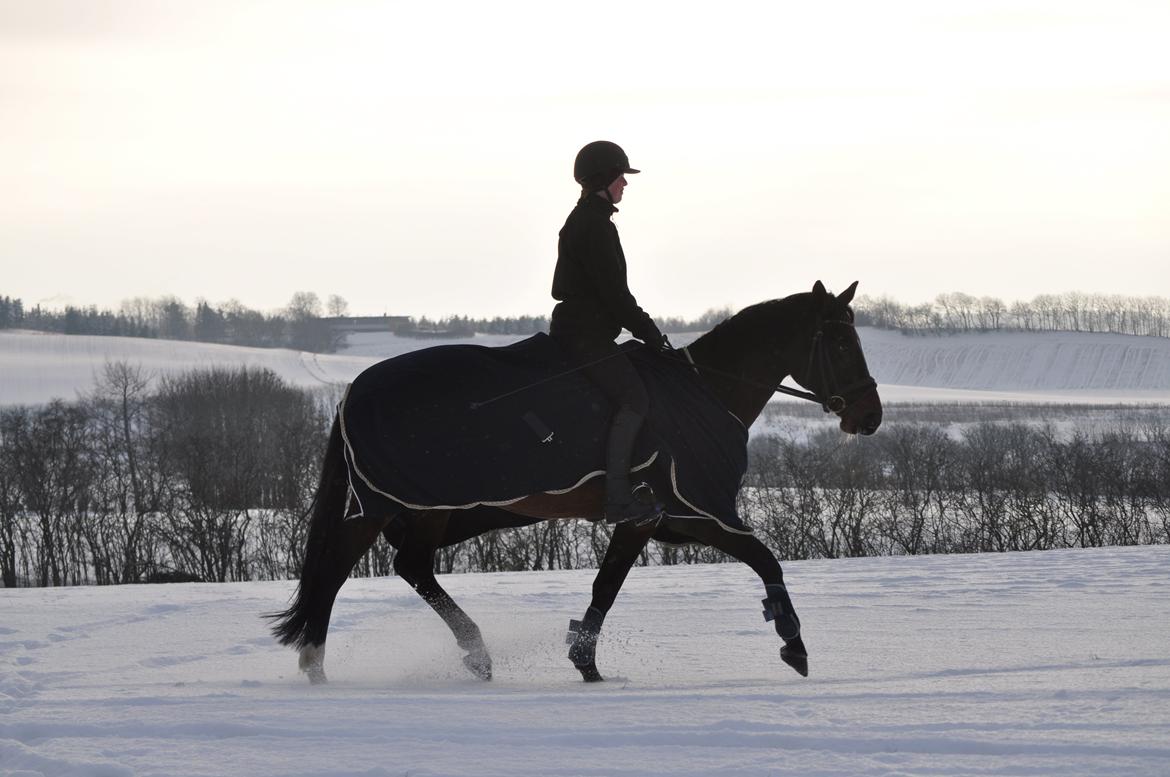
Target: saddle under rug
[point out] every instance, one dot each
(415, 433)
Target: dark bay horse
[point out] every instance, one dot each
(808, 336)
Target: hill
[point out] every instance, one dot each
(1003, 366)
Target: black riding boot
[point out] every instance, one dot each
(621, 504)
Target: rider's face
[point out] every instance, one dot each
(616, 188)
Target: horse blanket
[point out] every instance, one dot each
(457, 426)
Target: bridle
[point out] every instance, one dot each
(833, 398)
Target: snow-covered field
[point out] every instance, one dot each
(1050, 663)
(1013, 367)
(37, 367)
(1053, 663)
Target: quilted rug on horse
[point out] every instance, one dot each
(462, 425)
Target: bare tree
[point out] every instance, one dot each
(304, 305)
(337, 306)
(10, 507)
(306, 329)
(851, 499)
(235, 442)
(53, 475)
(129, 489)
(990, 313)
(918, 459)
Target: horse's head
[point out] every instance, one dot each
(808, 336)
(835, 369)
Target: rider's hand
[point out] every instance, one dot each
(664, 344)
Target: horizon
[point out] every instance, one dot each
(283, 309)
(416, 159)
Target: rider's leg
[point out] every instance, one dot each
(618, 379)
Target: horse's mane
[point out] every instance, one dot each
(763, 319)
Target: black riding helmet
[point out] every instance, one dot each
(598, 164)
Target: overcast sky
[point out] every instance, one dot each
(416, 157)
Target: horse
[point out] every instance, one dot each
(743, 361)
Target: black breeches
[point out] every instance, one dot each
(613, 373)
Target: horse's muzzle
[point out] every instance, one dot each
(864, 416)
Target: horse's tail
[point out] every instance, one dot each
(296, 626)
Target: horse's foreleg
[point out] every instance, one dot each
(777, 604)
(627, 542)
(415, 563)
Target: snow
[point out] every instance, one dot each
(1020, 366)
(38, 367)
(1046, 367)
(1050, 663)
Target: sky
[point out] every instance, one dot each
(415, 158)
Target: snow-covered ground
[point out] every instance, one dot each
(1020, 366)
(1054, 663)
(1014, 367)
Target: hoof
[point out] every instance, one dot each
(589, 673)
(312, 662)
(479, 664)
(797, 659)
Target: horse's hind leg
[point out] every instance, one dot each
(417, 542)
(353, 538)
(626, 543)
(333, 545)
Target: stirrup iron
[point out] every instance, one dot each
(642, 507)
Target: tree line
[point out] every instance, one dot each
(302, 323)
(209, 474)
(1072, 312)
(299, 325)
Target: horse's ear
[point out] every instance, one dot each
(820, 294)
(847, 296)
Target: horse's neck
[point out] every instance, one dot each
(745, 364)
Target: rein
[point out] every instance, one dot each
(834, 399)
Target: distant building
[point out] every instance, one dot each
(347, 324)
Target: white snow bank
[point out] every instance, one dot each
(1048, 363)
(1039, 663)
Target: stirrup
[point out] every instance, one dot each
(642, 507)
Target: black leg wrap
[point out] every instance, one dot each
(582, 638)
(778, 609)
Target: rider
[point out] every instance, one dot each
(594, 304)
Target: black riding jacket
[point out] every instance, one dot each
(590, 283)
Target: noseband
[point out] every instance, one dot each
(832, 397)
